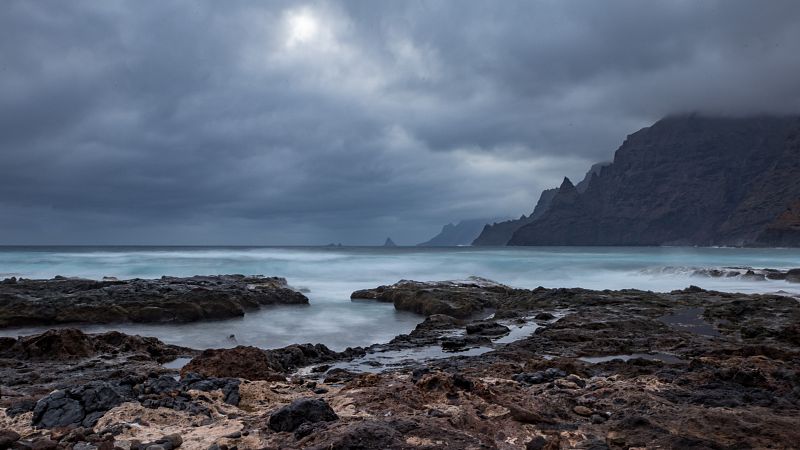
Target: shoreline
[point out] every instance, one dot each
(595, 369)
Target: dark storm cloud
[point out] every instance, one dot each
(286, 122)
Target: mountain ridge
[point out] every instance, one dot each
(685, 180)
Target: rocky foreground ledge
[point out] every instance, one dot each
(604, 369)
(168, 299)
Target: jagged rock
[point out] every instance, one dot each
(255, 364)
(744, 188)
(70, 343)
(453, 298)
(80, 406)
(168, 299)
(58, 410)
(250, 363)
(305, 410)
(460, 343)
(487, 329)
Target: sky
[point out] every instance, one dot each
(303, 123)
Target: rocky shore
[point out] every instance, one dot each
(490, 366)
(168, 299)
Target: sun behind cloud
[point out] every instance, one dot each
(302, 27)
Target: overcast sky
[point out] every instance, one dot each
(172, 122)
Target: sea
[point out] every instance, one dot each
(328, 275)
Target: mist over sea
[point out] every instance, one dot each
(330, 274)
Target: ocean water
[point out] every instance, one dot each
(331, 273)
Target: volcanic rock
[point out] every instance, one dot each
(168, 299)
(306, 410)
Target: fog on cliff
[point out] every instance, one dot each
(241, 122)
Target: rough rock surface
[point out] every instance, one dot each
(457, 299)
(168, 299)
(299, 412)
(686, 180)
(499, 233)
(252, 363)
(604, 369)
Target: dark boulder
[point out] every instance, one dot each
(81, 406)
(58, 410)
(305, 410)
(793, 275)
(461, 343)
(487, 329)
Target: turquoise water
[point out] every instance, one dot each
(332, 273)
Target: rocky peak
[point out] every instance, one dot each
(685, 180)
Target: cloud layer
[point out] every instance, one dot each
(304, 123)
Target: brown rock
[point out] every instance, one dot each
(582, 410)
(250, 363)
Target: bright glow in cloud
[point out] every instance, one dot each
(302, 27)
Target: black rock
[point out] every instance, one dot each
(487, 329)
(58, 410)
(20, 407)
(456, 344)
(305, 410)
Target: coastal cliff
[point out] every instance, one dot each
(462, 233)
(686, 180)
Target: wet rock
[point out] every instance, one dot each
(338, 375)
(487, 329)
(752, 276)
(168, 299)
(459, 343)
(252, 363)
(69, 344)
(793, 276)
(453, 298)
(306, 410)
